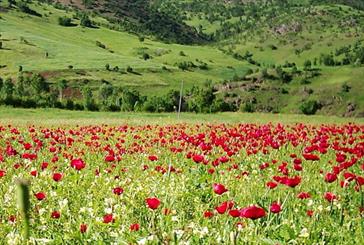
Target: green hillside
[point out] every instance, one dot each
(265, 56)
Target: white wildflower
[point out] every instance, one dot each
(304, 233)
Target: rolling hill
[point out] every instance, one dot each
(268, 56)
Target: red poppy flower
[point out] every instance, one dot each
(134, 227)
(271, 185)
(219, 189)
(118, 191)
(83, 228)
(309, 213)
(78, 164)
(44, 165)
(2, 173)
(56, 215)
(198, 158)
(292, 182)
(330, 177)
(34, 173)
(252, 212)
(311, 157)
(303, 195)
(330, 197)
(297, 167)
(109, 158)
(57, 177)
(153, 202)
(40, 196)
(275, 207)
(222, 208)
(108, 218)
(208, 214)
(153, 158)
(234, 213)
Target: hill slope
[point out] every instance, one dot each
(271, 56)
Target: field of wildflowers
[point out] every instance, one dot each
(184, 184)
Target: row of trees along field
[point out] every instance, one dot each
(35, 92)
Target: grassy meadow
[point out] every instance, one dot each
(55, 117)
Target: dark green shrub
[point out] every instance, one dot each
(309, 107)
(65, 21)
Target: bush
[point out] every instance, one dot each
(129, 69)
(146, 56)
(219, 105)
(247, 107)
(101, 45)
(23, 7)
(85, 21)
(345, 88)
(69, 105)
(309, 107)
(65, 21)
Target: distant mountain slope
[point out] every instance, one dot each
(139, 16)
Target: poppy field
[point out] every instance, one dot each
(183, 184)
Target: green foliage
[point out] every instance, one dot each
(85, 21)
(130, 99)
(23, 7)
(309, 107)
(200, 99)
(101, 45)
(307, 65)
(247, 107)
(129, 69)
(39, 84)
(65, 21)
(88, 99)
(345, 88)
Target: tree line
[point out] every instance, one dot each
(34, 91)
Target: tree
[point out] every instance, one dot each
(105, 91)
(39, 84)
(129, 99)
(85, 21)
(201, 99)
(88, 101)
(1, 84)
(20, 88)
(8, 89)
(65, 21)
(307, 65)
(309, 107)
(1, 45)
(61, 85)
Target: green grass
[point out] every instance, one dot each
(76, 46)
(55, 117)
